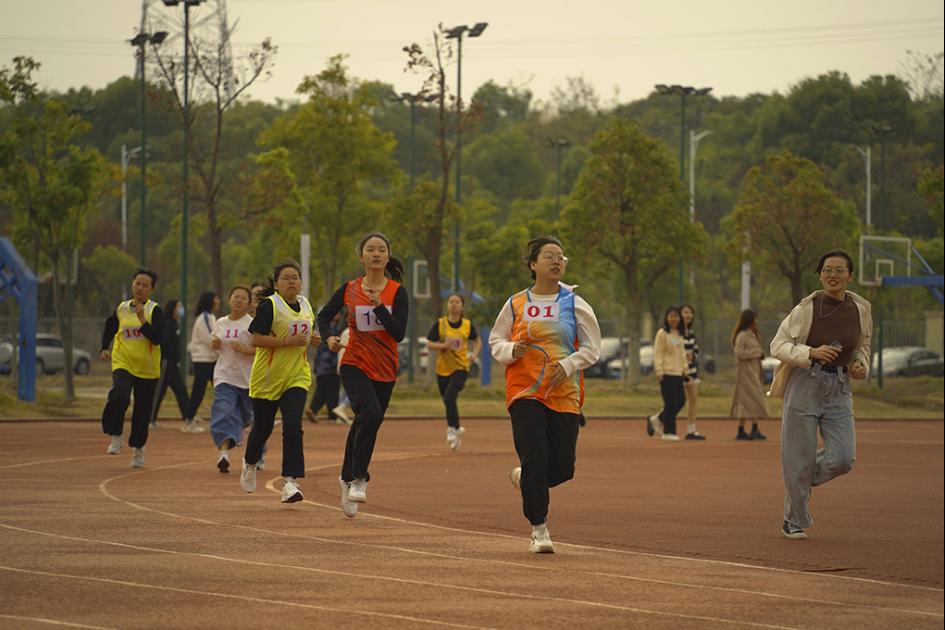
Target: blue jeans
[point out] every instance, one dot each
(231, 412)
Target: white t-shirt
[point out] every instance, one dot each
(233, 368)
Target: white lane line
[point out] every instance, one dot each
(259, 600)
(383, 578)
(54, 622)
(51, 461)
(279, 534)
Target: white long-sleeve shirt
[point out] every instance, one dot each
(588, 334)
(200, 349)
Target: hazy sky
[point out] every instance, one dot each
(735, 46)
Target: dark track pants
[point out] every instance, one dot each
(292, 404)
(450, 387)
(369, 400)
(119, 397)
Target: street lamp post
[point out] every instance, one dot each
(126, 157)
(413, 99)
(882, 130)
(139, 41)
(694, 139)
(559, 145)
(682, 91)
(867, 154)
(457, 33)
(185, 212)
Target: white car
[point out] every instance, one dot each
(616, 367)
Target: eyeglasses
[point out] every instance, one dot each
(829, 271)
(553, 258)
(289, 278)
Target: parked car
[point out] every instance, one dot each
(615, 367)
(909, 361)
(50, 356)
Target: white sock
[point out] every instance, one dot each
(292, 479)
(692, 427)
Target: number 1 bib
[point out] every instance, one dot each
(367, 319)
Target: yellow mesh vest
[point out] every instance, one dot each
(277, 369)
(132, 351)
(455, 357)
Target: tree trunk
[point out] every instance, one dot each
(216, 251)
(797, 287)
(634, 308)
(65, 327)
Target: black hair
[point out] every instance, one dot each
(394, 268)
(170, 306)
(835, 253)
(691, 308)
(533, 248)
(270, 283)
(461, 299)
(148, 273)
(680, 327)
(745, 319)
(240, 287)
(205, 303)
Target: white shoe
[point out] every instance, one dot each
(186, 427)
(248, 477)
(516, 478)
(342, 414)
(541, 541)
(349, 507)
(290, 491)
(137, 458)
(115, 447)
(456, 439)
(223, 462)
(357, 490)
(261, 464)
(670, 437)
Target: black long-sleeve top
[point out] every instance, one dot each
(152, 330)
(170, 341)
(394, 322)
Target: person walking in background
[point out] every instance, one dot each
(203, 356)
(545, 336)
(281, 331)
(450, 337)
(170, 363)
(327, 379)
(343, 410)
(748, 399)
(822, 344)
(135, 330)
(377, 319)
(232, 410)
(257, 290)
(672, 369)
(691, 346)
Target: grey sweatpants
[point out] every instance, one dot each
(814, 398)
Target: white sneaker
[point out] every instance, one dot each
(349, 507)
(541, 541)
(248, 477)
(223, 462)
(137, 458)
(357, 490)
(670, 437)
(342, 413)
(261, 464)
(516, 478)
(186, 427)
(115, 447)
(454, 437)
(290, 491)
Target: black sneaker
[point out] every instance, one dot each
(742, 435)
(756, 435)
(223, 465)
(695, 435)
(790, 530)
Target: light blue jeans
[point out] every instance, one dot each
(231, 411)
(814, 399)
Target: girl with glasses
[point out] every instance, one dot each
(545, 336)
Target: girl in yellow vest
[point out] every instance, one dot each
(450, 336)
(545, 336)
(135, 328)
(282, 330)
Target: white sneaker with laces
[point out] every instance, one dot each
(115, 447)
(670, 437)
(516, 478)
(248, 477)
(290, 491)
(349, 507)
(457, 438)
(197, 426)
(342, 414)
(137, 458)
(357, 490)
(541, 541)
(261, 464)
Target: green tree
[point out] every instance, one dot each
(50, 182)
(932, 188)
(334, 154)
(787, 217)
(628, 213)
(506, 164)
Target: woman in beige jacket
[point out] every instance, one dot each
(671, 368)
(748, 399)
(822, 344)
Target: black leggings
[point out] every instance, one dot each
(170, 377)
(326, 393)
(203, 374)
(450, 387)
(369, 400)
(119, 397)
(546, 441)
(292, 404)
(674, 398)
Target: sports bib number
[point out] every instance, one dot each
(230, 334)
(367, 320)
(454, 343)
(542, 312)
(298, 329)
(131, 334)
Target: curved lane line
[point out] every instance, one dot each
(54, 622)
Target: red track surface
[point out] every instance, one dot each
(649, 534)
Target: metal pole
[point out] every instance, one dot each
(746, 284)
(559, 148)
(869, 189)
(680, 271)
(413, 140)
(459, 150)
(143, 228)
(880, 357)
(411, 316)
(124, 198)
(185, 214)
(882, 175)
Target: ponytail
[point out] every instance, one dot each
(394, 270)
